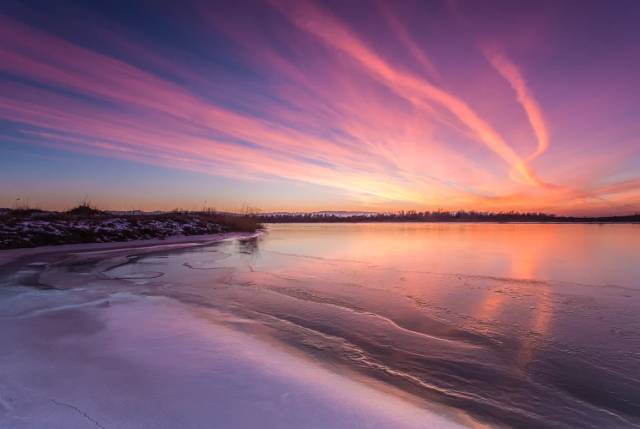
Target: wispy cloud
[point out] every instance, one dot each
(510, 72)
(419, 91)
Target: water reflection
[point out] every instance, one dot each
(589, 254)
(249, 246)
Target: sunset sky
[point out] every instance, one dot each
(324, 105)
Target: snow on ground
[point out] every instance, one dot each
(33, 232)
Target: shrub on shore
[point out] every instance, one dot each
(84, 209)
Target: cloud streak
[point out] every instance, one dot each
(510, 72)
(331, 31)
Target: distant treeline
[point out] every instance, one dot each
(442, 216)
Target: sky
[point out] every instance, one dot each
(321, 105)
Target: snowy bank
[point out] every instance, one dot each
(34, 229)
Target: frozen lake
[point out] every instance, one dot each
(331, 325)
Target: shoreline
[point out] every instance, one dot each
(84, 224)
(9, 256)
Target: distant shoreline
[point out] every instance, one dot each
(549, 222)
(461, 216)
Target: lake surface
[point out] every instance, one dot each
(505, 325)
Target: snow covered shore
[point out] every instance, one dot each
(20, 229)
(28, 233)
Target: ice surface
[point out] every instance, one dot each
(148, 362)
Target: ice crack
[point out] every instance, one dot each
(78, 410)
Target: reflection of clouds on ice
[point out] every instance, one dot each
(151, 363)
